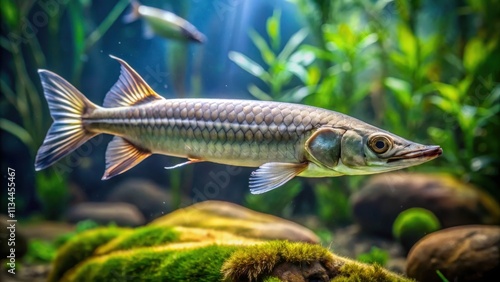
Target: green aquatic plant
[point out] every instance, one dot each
(52, 193)
(374, 256)
(80, 227)
(23, 115)
(325, 236)
(85, 225)
(441, 276)
(380, 61)
(332, 204)
(282, 65)
(40, 251)
(413, 224)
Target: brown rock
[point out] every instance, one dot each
(301, 272)
(238, 220)
(464, 253)
(383, 197)
(122, 214)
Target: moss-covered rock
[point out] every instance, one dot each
(167, 252)
(257, 262)
(81, 247)
(292, 261)
(229, 261)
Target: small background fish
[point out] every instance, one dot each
(163, 23)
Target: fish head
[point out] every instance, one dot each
(372, 150)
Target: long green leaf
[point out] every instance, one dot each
(266, 53)
(248, 64)
(401, 90)
(17, 131)
(259, 94)
(292, 44)
(273, 29)
(78, 30)
(8, 92)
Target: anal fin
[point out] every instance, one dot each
(121, 156)
(272, 175)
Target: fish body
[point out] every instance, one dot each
(283, 140)
(164, 23)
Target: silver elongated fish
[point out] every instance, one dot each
(164, 23)
(283, 140)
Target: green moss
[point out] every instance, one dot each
(155, 264)
(256, 262)
(203, 264)
(413, 224)
(141, 237)
(81, 247)
(357, 272)
(272, 279)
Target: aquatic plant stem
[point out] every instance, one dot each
(32, 123)
(16, 130)
(37, 52)
(105, 24)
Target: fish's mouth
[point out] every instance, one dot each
(425, 154)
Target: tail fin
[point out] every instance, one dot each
(67, 133)
(134, 13)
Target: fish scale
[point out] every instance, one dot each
(284, 140)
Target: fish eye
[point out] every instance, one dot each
(380, 144)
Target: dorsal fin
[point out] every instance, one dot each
(130, 89)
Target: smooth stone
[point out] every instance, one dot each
(383, 197)
(122, 214)
(463, 253)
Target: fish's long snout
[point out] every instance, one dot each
(426, 153)
(432, 151)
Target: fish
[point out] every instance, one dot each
(282, 140)
(164, 23)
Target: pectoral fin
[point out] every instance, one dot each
(272, 175)
(121, 156)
